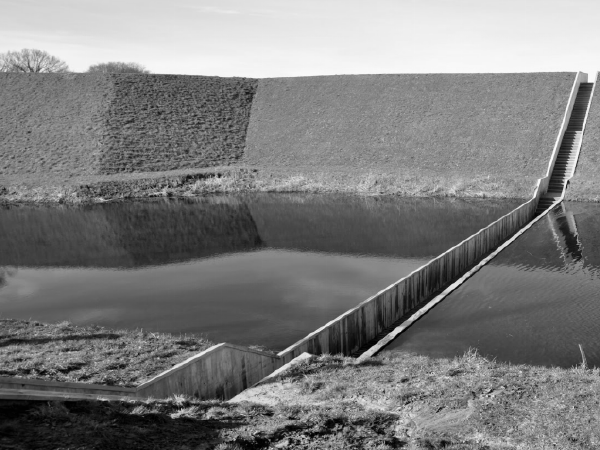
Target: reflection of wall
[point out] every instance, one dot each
(161, 232)
(382, 226)
(59, 237)
(126, 234)
(587, 216)
(568, 234)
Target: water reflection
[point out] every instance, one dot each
(265, 269)
(535, 303)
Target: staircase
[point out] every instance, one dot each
(566, 160)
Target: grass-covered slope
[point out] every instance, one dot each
(56, 126)
(51, 123)
(166, 122)
(440, 134)
(585, 184)
(438, 127)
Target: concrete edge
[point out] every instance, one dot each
(297, 360)
(201, 355)
(32, 394)
(62, 384)
(421, 312)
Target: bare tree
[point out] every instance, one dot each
(118, 67)
(31, 60)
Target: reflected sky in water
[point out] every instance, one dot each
(262, 269)
(534, 303)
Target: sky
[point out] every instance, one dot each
(273, 38)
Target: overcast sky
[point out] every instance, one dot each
(267, 38)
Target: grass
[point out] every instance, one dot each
(239, 180)
(413, 133)
(90, 354)
(86, 124)
(409, 135)
(392, 401)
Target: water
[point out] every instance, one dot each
(262, 269)
(534, 303)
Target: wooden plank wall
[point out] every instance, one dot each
(362, 324)
(222, 371)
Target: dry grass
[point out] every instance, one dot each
(393, 401)
(246, 180)
(91, 354)
(469, 402)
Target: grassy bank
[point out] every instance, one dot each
(91, 354)
(412, 135)
(244, 180)
(393, 401)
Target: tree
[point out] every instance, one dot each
(118, 67)
(31, 60)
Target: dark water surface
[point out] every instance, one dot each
(262, 269)
(534, 303)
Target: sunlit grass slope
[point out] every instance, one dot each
(444, 129)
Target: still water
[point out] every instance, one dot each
(534, 303)
(261, 269)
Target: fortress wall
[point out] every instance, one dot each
(437, 124)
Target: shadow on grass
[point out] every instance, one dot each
(114, 425)
(45, 340)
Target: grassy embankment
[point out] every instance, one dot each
(410, 135)
(393, 401)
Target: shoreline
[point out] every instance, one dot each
(242, 180)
